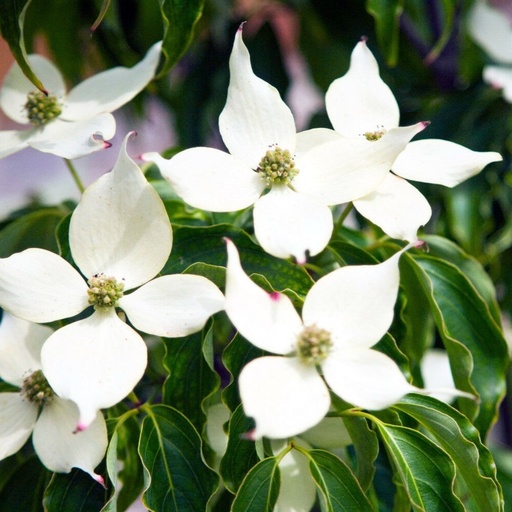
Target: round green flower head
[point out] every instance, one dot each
(36, 389)
(277, 166)
(41, 109)
(104, 291)
(313, 344)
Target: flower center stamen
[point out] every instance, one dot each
(36, 389)
(376, 135)
(104, 291)
(277, 166)
(313, 344)
(42, 109)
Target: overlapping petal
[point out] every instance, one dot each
(441, 162)
(284, 396)
(290, 224)
(397, 207)
(210, 179)
(173, 306)
(499, 78)
(60, 448)
(268, 321)
(365, 378)
(360, 101)
(95, 362)
(13, 141)
(354, 319)
(254, 116)
(120, 227)
(40, 286)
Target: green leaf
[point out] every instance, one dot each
(111, 461)
(73, 491)
(191, 377)
(459, 438)
(426, 471)
(339, 489)
(177, 477)
(240, 454)
(260, 489)
(11, 27)
(180, 18)
(474, 342)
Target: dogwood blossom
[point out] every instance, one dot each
(120, 238)
(37, 410)
(360, 104)
(345, 313)
(69, 124)
(257, 127)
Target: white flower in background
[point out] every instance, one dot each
(69, 124)
(361, 105)
(37, 410)
(120, 238)
(257, 127)
(437, 373)
(344, 314)
(492, 31)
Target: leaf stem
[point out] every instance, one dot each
(74, 175)
(342, 217)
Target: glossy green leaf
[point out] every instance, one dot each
(459, 438)
(11, 27)
(260, 489)
(180, 18)
(473, 340)
(178, 479)
(339, 489)
(111, 463)
(191, 376)
(425, 471)
(240, 454)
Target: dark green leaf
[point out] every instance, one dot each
(260, 489)
(170, 448)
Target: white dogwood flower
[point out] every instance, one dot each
(120, 238)
(37, 410)
(344, 314)
(360, 104)
(69, 124)
(265, 152)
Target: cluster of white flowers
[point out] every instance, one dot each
(120, 238)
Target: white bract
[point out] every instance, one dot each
(37, 410)
(492, 31)
(257, 127)
(360, 104)
(344, 314)
(69, 124)
(120, 238)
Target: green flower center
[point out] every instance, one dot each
(104, 291)
(277, 166)
(36, 389)
(376, 135)
(41, 109)
(313, 344)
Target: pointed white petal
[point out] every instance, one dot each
(60, 448)
(311, 138)
(441, 162)
(210, 179)
(284, 396)
(74, 139)
(173, 306)
(355, 303)
(298, 491)
(40, 286)
(499, 78)
(341, 171)
(95, 362)
(268, 321)
(12, 141)
(16, 86)
(120, 227)
(365, 378)
(216, 416)
(491, 30)
(111, 89)
(290, 224)
(255, 116)
(397, 207)
(17, 419)
(20, 348)
(360, 101)
(330, 433)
